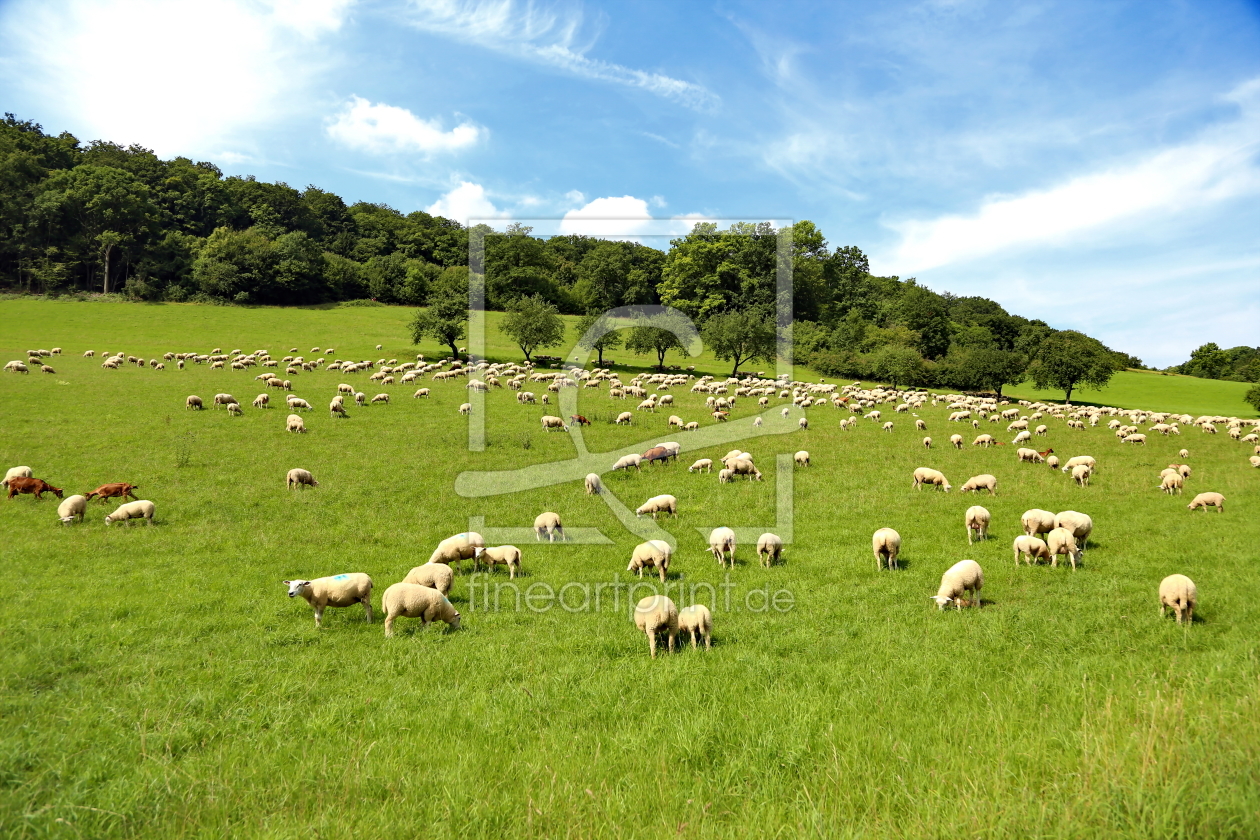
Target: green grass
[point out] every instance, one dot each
(1155, 391)
(156, 682)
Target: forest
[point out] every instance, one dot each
(99, 218)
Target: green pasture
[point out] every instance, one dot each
(1154, 391)
(157, 682)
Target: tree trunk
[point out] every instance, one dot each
(108, 249)
(1067, 396)
(454, 350)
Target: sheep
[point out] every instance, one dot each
(298, 477)
(927, 443)
(625, 418)
(1138, 439)
(502, 555)
(1031, 548)
(653, 553)
(548, 523)
(466, 408)
(457, 549)
(696, 621)
(234, 410)
(16, 472)
(549, 423)
(1178, 593)
(802, 458)
(980, 482)
(724, 476)
(223, 399)
(1254, 460)
(1029, 455)
(294, 423)
(421, 392)
(72, 508)
(297, 404)
(1183, 470)
(919, 425)
(193, 403)
(1172, 483)
(262, 401)
(664, 503)
(957, 441)
(702, 465)
(1052, 462)
(1088, 460)
(1184, 454)
(983, 440)
(593, 484)
(977, 520)
(1037, 521)
(411, 600)
(803, 423)
(722, 540)
(962, 577)
(1079, 524)
(625, 462)
(142, 509)
(1060, 541)
(433, 575)
(888, 427)
(886, 544)
(1081, 474)
(1207, 500)
(336, 409)
(380, 398)
(343, 590)
(931, 477)
(769, 548)
(1022, 437)
(743, 466)
(654, 614)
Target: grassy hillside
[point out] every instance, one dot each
(1155, 391)
(156, 682)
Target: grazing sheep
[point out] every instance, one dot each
(743, 466)
(549, 423)
(593, 484)
(193, 403)
(411, 600)
(1254, 460)
(927, 443)
(1081, 474)
(1138, 439)
(300, 478)
(625, 462)
(384, 398)
(142, 509)
(962, 577)
(344, 590)
(336, 409)
(1172, 482)
(294, 423)
(1052, 462)
(1022, 437)
(502, 555)
(696, 621)
(1031, 548)
(977, 519)
(625, 418)
(886, 544)
(1178, 593)
(548, 523)
(702, 465)
(1183, 454)
(980, 482)
(653, 553)
(724, 476)
(1060, 541)
(1029, 455)
(16, 472)
(457, 549)
(769, 549)
(223, 399)
(422, 392)
(466, 408)
(297, 404)
(984, 441)
(802, 458)
(921, 426)
(722, 540)
(664, 503)
(655, 614)
(930, 477)
(1079, 524)
(957, 441)
(1087, 460)
(433, 575)
(804, 423)
(1207, 500)
(72, 508)
(262, 401)
(234, 410)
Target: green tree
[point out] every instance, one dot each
(1253, 397)
(897, 365)
(984, 368)
(741, 337)
(658, 340)
(1068, 359)
(608, 341)
(533, 324)
(1209, 362)
(446, 318)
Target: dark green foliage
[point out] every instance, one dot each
(1241, 364)
(608, 341)
(1252, 397)
(446, 318)
(1070, 358)
(533, 324)
(740, 337)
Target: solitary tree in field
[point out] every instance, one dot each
(741, 337)
(446, 318)
(1253, 397)
(658, 340)
(533, 324)
(897, 365)
(608, 341)
(1068, 359)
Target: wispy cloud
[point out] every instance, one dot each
(549, 36)
(388, 129)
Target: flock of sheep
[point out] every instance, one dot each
(423, 592)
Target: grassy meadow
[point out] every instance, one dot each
(157, 682)
(1154, 391)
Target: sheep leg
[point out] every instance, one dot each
(651, 634)
(319, 615)
(367, 608)
(389, 625)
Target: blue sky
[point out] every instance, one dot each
(1095, 164)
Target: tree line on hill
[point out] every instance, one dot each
(100, 217)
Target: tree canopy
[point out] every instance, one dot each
(533, 324)
(1069, 359)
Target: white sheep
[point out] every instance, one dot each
(549, 423)
(803, 423)
(1078, 523)
(696, 621)
(548, 523)
(722, 540)
(72, 508)
(663, 503)
(457, 549)
(234, 410)
(1207, 500)
(294, 423)
(1081, 474)
(17, 472)
(930, 477)
(654, 554)
(437, 576)
(769, 549)
(625, 462)
(625, 418)
(343, 590)
(410, 600)
(927, 443)
(655, 614)
(1052, 461)
(1031, 548)
(593, 484)
(466, 408)
(1171, 482)
(1254, 460)
(980, 482)
(1185, 453)
(1031, 456)
(262, 401)
(977, 520)
(420, 392)
(1060, 541)
(380, 398)
(957, 441)
(962, 577)
(702, 465)
(140, 509)
(298, 477)
(724, 476)
(1088, 460)
(886, 545)
(1178, 593)
(802, 458)
(1037, 521)
(500, 555)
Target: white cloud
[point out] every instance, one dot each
(385, 129)
(608, 217)
(546, 36)
(467, 201)
(180, 76)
